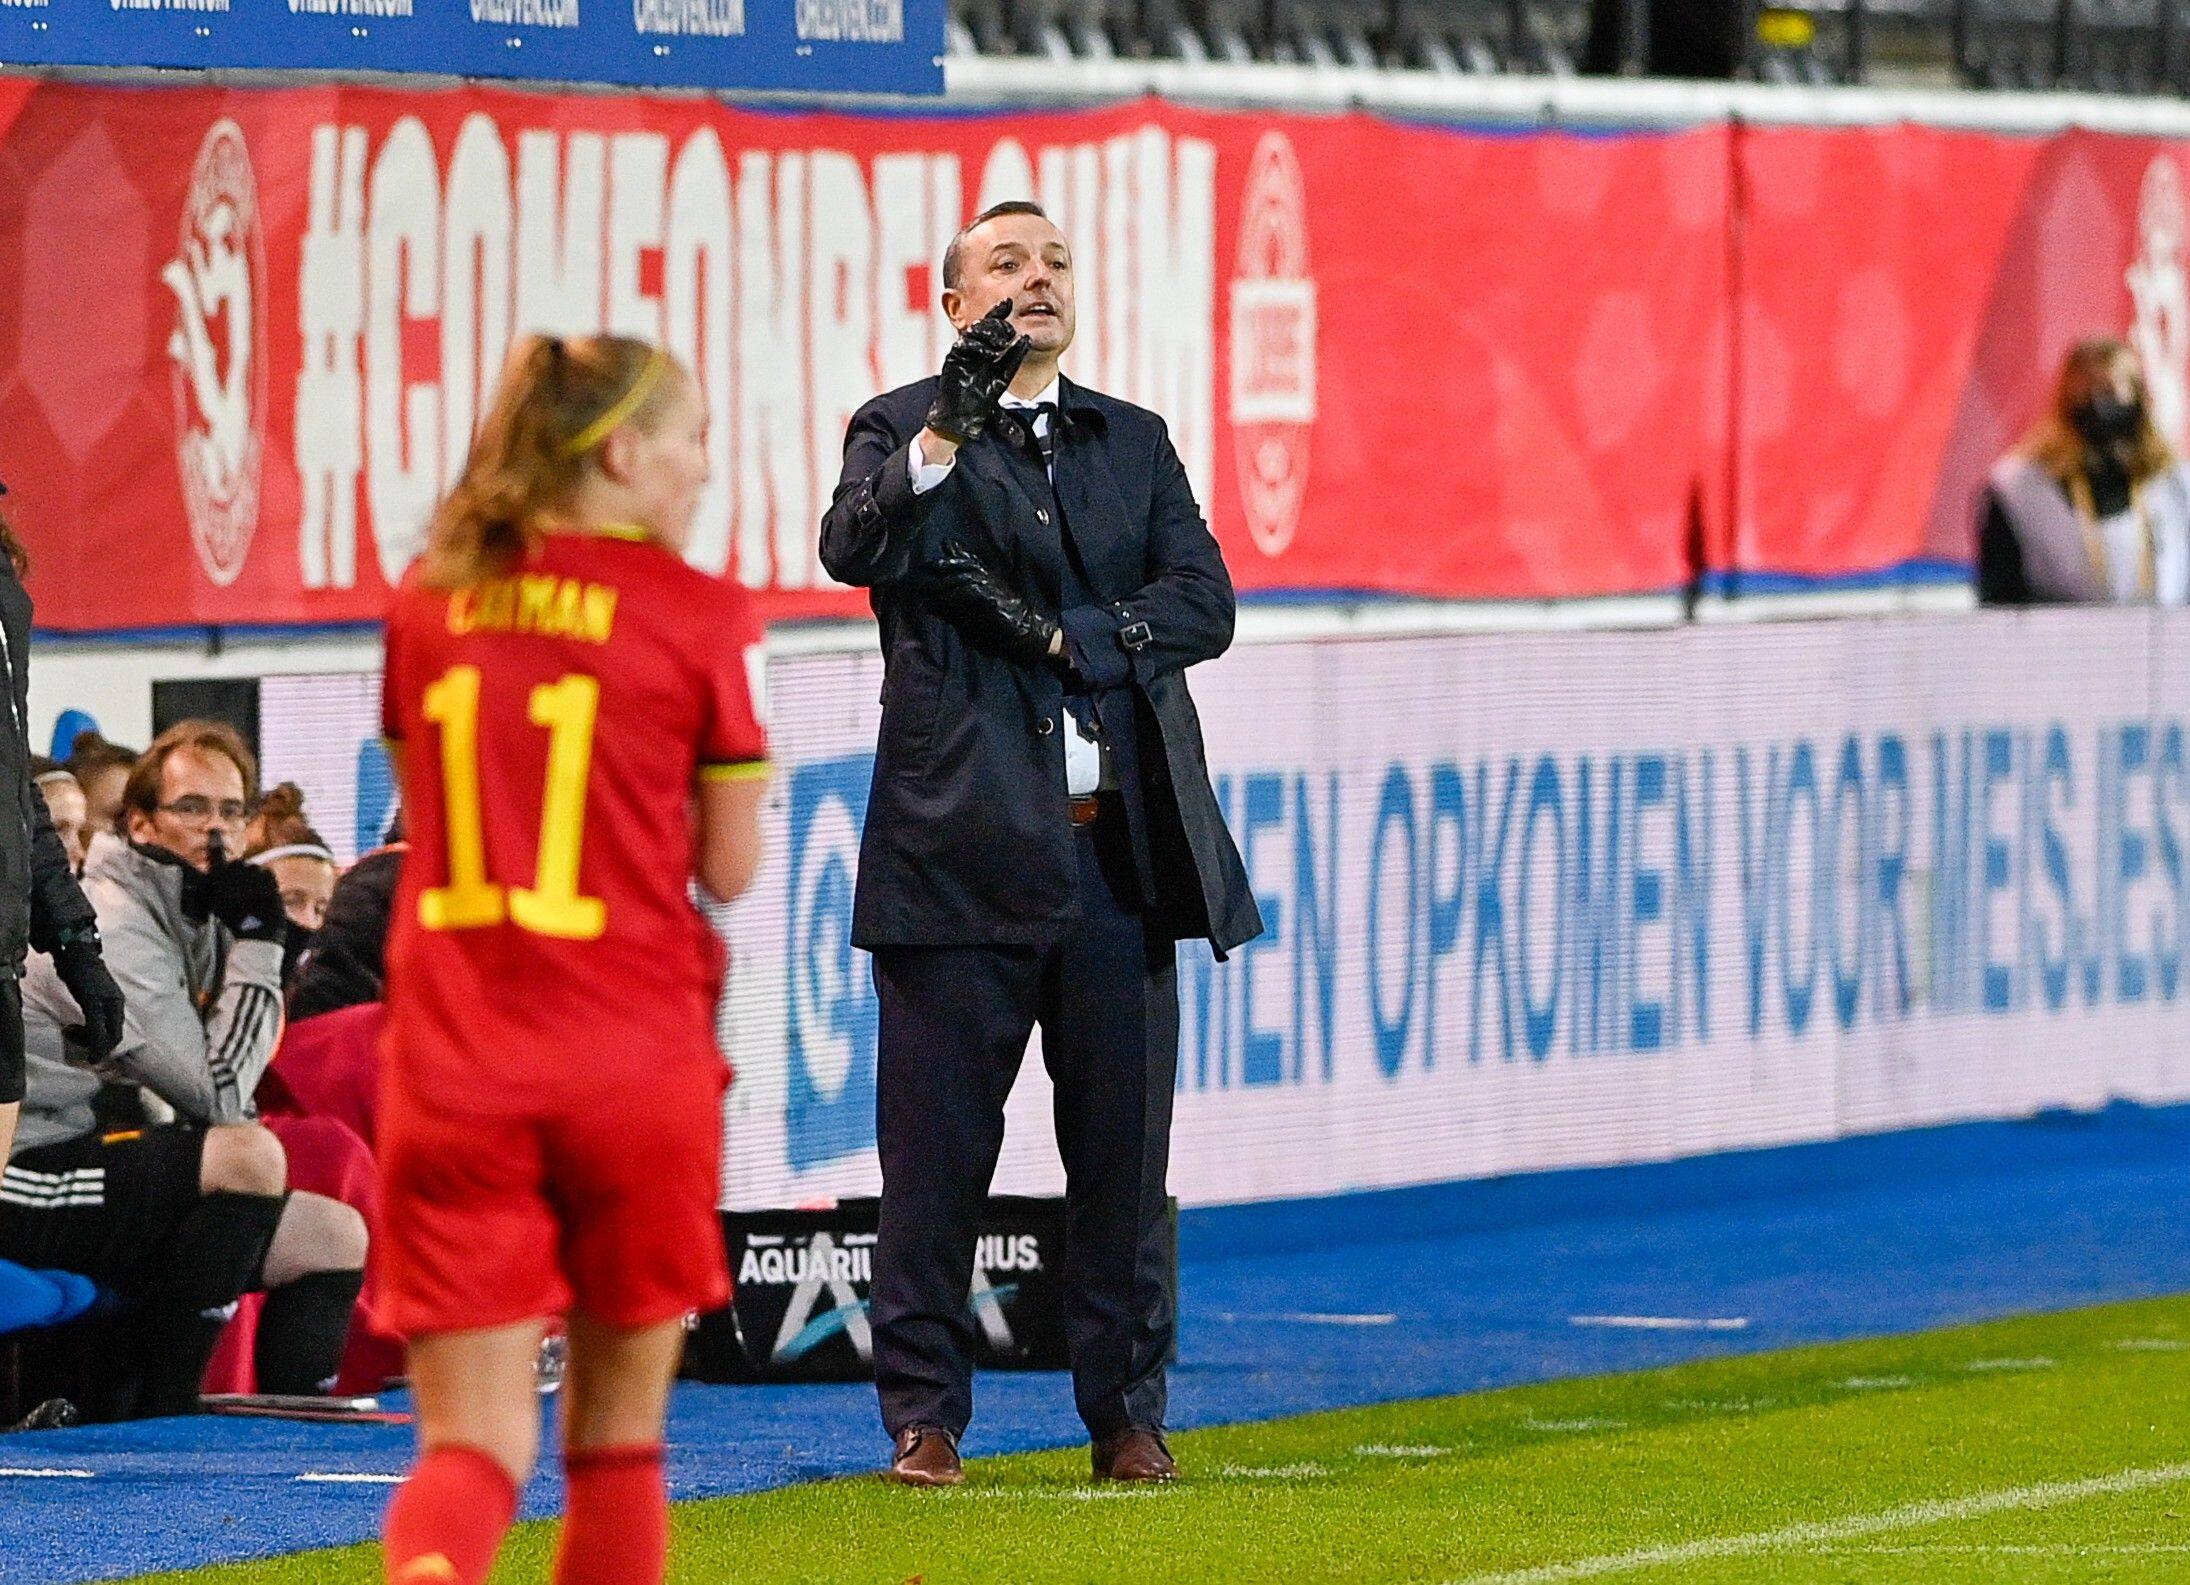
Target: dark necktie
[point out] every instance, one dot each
(1041, 427)
(1040, 423)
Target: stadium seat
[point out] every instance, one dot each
(1231, 30)
(31, 1299)
(2103, 46)
(1480, 37)
(2123, 47)
(1332, 32)
(2112, 46)
(1164, 32)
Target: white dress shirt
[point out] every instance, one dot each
(1083, 756)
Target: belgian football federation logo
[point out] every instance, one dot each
(1273, 346)
(218, 376)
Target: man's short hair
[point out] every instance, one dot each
(954, 256)
(142, 791)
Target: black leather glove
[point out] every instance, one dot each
(244, 897)
(976, 372)
(985, 608)
(83, 970)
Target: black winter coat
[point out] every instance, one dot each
(965, 841)
(39, 897)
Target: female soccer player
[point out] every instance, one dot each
(569, 705)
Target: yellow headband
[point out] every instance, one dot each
(619, 410)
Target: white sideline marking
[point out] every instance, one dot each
(1875, 1383)
(1310, 1318)
(337, 1478)
(2042, 1494)
(47, 1474)
(1587, 1424)
(1388, 1450)
(1099, 1494)
(1273, 1471)
(2150, 1345)
(1665, 1323)
(2013, 1549)
(2035, 1362)
(1118, 1493)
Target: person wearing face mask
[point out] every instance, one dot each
(2092, 507)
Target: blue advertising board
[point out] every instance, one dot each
(855, 46)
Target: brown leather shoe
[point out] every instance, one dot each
(1134, 1455)
(926, 1455)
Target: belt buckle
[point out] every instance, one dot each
(1084, 809)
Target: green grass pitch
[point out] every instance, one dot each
(2054, 1448)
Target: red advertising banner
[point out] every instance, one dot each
(246, 334)
(1867, 270)
(1905, 298)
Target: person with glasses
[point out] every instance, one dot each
(183, 1216)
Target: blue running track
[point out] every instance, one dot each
(1303, 1306)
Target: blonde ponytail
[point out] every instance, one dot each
(558, 401)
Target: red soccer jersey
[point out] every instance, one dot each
(554, 724)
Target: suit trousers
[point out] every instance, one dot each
(954, 1029)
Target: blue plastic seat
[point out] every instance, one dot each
(30, 1299)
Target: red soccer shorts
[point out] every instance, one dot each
(606, 1208)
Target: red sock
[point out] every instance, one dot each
(615, 1519)
(448, 1519)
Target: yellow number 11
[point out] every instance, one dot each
(551, 905)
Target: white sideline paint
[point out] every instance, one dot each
(1823, 1532)
(1386, 1450)
(1875, 1383)
(338, 1478)
(2012, 1549)
(1308, 1318)
(2036, 1362)
(47, 1474)
(1586, 1424)
(1664, 1323)
(2150, 1345)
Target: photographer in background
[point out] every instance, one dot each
(182, 1217)
(2092, 507)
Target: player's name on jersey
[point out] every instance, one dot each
(536, 602)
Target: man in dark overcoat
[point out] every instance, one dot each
(1040, 833)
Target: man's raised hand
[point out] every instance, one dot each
(977, 371)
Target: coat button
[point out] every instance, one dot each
(1041, 514)
(1044, 727)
